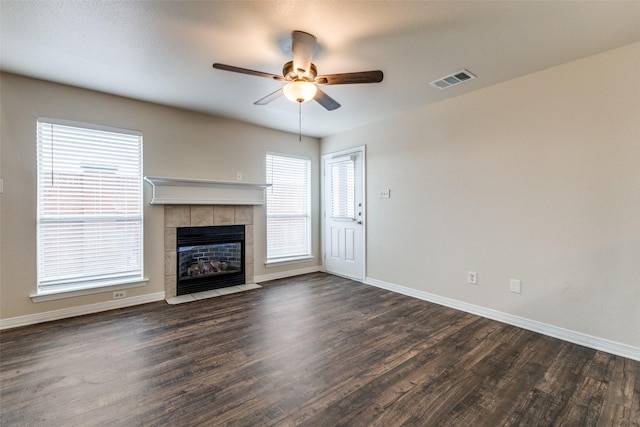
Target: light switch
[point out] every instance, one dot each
(514, 285)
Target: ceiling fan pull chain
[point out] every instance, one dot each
(299, 121)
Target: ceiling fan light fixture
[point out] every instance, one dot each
(300, 91)
(300, 75)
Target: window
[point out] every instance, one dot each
(89, 206)
(288, 207)
(343, 189)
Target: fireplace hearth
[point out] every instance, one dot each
(209, 258)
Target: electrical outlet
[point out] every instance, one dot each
(472, 278)
(238, 176)
(384, 194)
(514, 286)
(119, 294)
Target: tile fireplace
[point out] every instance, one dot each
(202, 267)
(209, 258)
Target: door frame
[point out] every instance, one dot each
(362, 151)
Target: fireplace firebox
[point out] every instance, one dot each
(209, 258)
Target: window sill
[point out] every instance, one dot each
(285, 261)
(70, 293)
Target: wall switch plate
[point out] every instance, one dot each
(238, 176)
(384, 194)
(472, 278)
(514, 286)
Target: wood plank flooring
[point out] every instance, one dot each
(314, 350)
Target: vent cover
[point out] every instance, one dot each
(452, 79)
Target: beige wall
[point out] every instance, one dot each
(536, 179)
(177, 143)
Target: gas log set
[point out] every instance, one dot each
(203, 268)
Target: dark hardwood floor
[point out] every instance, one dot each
(313, 350)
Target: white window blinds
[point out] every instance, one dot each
(288, 207)
(343, 189)
(89, 206)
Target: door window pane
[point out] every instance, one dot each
(343, 189)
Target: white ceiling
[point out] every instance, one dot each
(163, 51)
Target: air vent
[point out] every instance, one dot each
(452, 79)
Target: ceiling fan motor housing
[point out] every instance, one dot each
(291, 74)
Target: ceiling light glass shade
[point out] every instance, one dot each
(300, 91)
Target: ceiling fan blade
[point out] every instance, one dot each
(303, 46)
(246, 71)
(350, 78)
(326, 101)
(271, 97)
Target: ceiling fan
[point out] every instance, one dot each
(301, 75)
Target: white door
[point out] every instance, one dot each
(344, 216)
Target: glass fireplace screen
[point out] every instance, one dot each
(210, 259)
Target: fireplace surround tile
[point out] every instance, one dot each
(198, 216)
(223, 215)
(170, 286)
(201, 216)
(177, 215)
(248, 255)
(248, 271)
(169, 239)
(243, 215)
(170, 262)
(248, 238)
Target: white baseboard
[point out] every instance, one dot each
(31, 319)
(596, 343)
(47, 316)
(284, 274)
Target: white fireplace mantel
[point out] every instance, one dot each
(181, 191)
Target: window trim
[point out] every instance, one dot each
(287, 261)
(302, 257)
(72, 288)
(70, 293)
